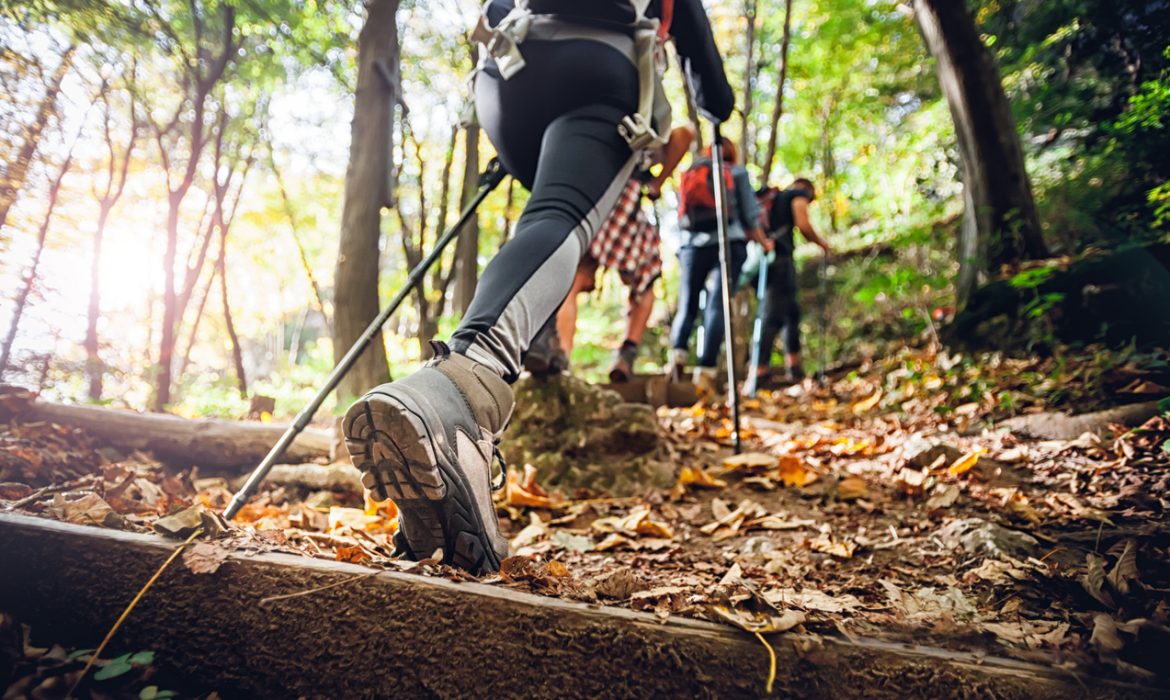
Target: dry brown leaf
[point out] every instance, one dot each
(749, 461)
(557, 569)
(619, 584)
(852, 488)
(204, 557)
(354, 554)
(759, 622)
(838, 548)
(1125, 570)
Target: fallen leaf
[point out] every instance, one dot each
(749, 461)
(204, 557)
(866, 404)
(812, 599)
(535, 530)
(697, 476)
(943, 498)
(760, 623)
(1094, 578)
(838, 548)
(575, 543)
(1125, 570)
(353, 554)
(90, 509)
(619, 584)
(966, 462)
(1105, 635)
(793, 472)
(557, 569)
(852, 488)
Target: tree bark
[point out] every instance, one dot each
(749, 83)
(30, 275)
(778, 105)
(366, 182)
(237, 353)
(467, 245)
(218, 444)
(17, 171)
(1000, 225)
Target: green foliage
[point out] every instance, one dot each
(124, 664)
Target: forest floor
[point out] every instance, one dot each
(886, 503)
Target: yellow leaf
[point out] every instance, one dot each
(557, 569)
(793, 472)
(837, 548)
(697, 476)
(866, 404)
(966, 462)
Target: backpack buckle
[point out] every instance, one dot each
(637, 132)
(502, 42)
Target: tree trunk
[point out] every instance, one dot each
(1000, 225)
(467, 246)
(356, 278)
(749, 83)
(30, 276)
(213, 444)
(115, 185)
(194, 331)
(237, 354)
(16, 171)
(778, 105)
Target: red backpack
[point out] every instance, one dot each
(696, 200)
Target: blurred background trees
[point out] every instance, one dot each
(199, 200)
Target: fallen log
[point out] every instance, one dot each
(180, 442)
(340, 630)
(1064, 426)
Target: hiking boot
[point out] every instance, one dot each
(427, 442)
(677, 365)
(623, 363)
(794, 374)
(545, 356)
(706, 381)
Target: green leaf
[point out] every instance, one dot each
(78, 654)
(142, 658)
(114, 668)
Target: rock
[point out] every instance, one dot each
(983, 538)
(580, 435)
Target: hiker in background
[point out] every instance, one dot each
(698, 257)
(628, 244)
(781, 211)
(558, 92)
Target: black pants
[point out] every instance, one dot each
(696, 265)
(554, 125)
(781, 309)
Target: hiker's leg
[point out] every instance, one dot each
(639, 315)
(713, 315)
(694, 266)
(567, 315)
(790, 313)
(583, 165)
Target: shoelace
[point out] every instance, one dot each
(499, 457)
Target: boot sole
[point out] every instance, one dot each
(400, 459)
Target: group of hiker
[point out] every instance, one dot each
(629, 244)
(570, 95)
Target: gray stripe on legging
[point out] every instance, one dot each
(539, 298)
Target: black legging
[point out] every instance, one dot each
(554, 125)
(781, 309)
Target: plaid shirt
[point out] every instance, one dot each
(627, 243)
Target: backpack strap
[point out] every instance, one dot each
(649, 126)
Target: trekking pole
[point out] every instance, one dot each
(725, 273)
(823, 293)
(751, 384)
(492, 175)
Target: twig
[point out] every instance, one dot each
(126, 613)
(771, 664)
(310, 591)
(41, 493)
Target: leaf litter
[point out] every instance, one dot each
(883, 504)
